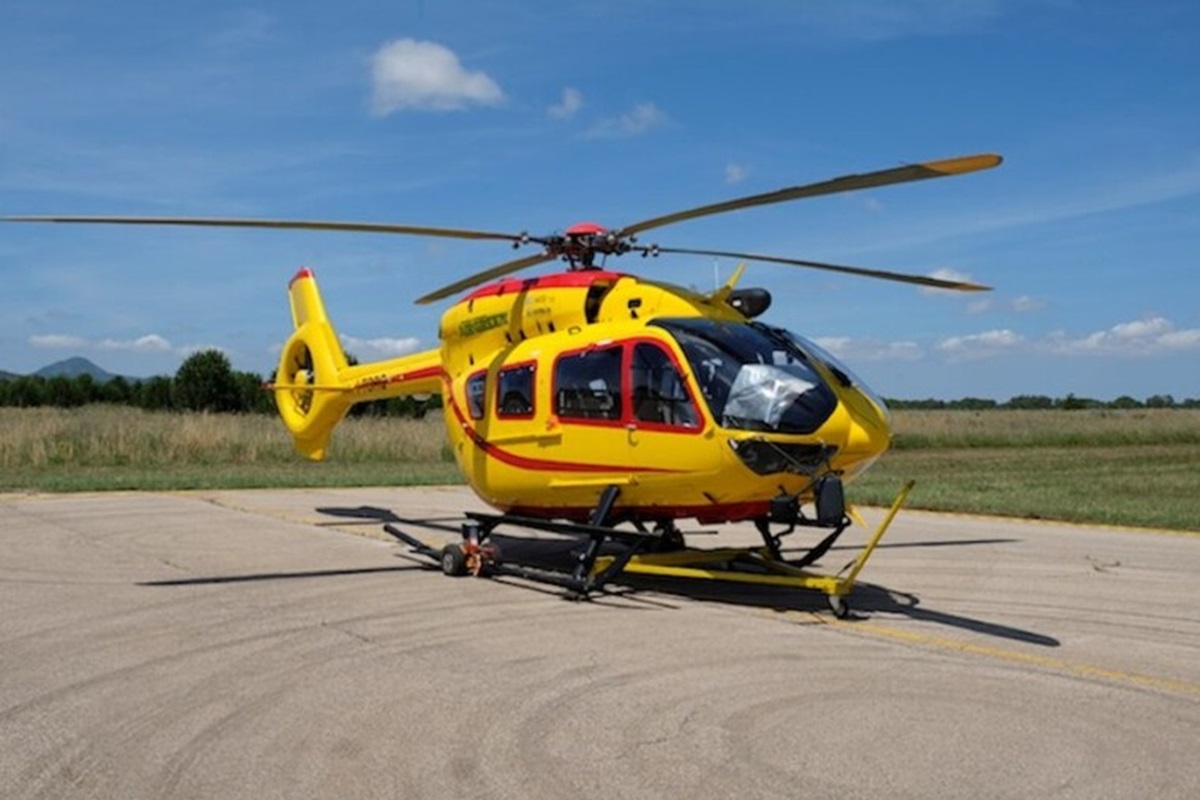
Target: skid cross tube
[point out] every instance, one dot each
(761, 566)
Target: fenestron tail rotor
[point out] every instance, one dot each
(581, 243)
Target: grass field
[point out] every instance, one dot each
(1135, 467)
(115, 447)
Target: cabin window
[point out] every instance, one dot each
(659, 392)
(514, 391)
(587, 385)
(476, 392)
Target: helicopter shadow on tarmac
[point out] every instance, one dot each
(635, 591)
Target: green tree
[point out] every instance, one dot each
(972, 404)
(117, 391)
(928, 403)
(1073, 403)
(87, 389)
(154, 394)
(205, 382)
(63, 392)
(1031, 401)
(27, 391)
(255, 397)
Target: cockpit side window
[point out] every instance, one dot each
(660, 395)
(587, 384)
(715, 368)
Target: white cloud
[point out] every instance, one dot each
(426, 76)
(979, 346)
(572, 101)
(1020, 305)
(381, 347)
(735, 173)
(853, 350)
(1026, 304)
(57, 341)
(644, 117)
(150, 343)
(1145, 337)
(1181, 340)
(1141, 329)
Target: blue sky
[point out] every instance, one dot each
(532, 115)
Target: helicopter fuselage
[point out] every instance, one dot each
(555, 388)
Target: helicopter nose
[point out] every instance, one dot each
(869, 433)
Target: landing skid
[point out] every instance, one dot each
(763, 566)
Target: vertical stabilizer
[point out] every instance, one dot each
(315, 385)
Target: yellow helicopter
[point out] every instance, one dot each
(588, 398)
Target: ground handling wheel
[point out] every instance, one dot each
(454, 560)
(839, 606)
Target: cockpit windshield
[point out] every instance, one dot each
(752, 377)
(835, 365)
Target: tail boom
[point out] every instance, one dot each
(315, 385)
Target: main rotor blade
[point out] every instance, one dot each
(846, 183)
(314, 225)
(902, 277)
(498, 271)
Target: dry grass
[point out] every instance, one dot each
(106, 447)
(1135, 467)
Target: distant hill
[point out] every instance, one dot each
(73, 368)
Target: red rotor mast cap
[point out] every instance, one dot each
(585, 229)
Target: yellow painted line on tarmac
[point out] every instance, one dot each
(1075, 668)
(1083, 527)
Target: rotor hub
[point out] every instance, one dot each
(580, 243)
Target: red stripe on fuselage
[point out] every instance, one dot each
(400, 377)
(558, 280)
(416, 375)
(539, 464)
